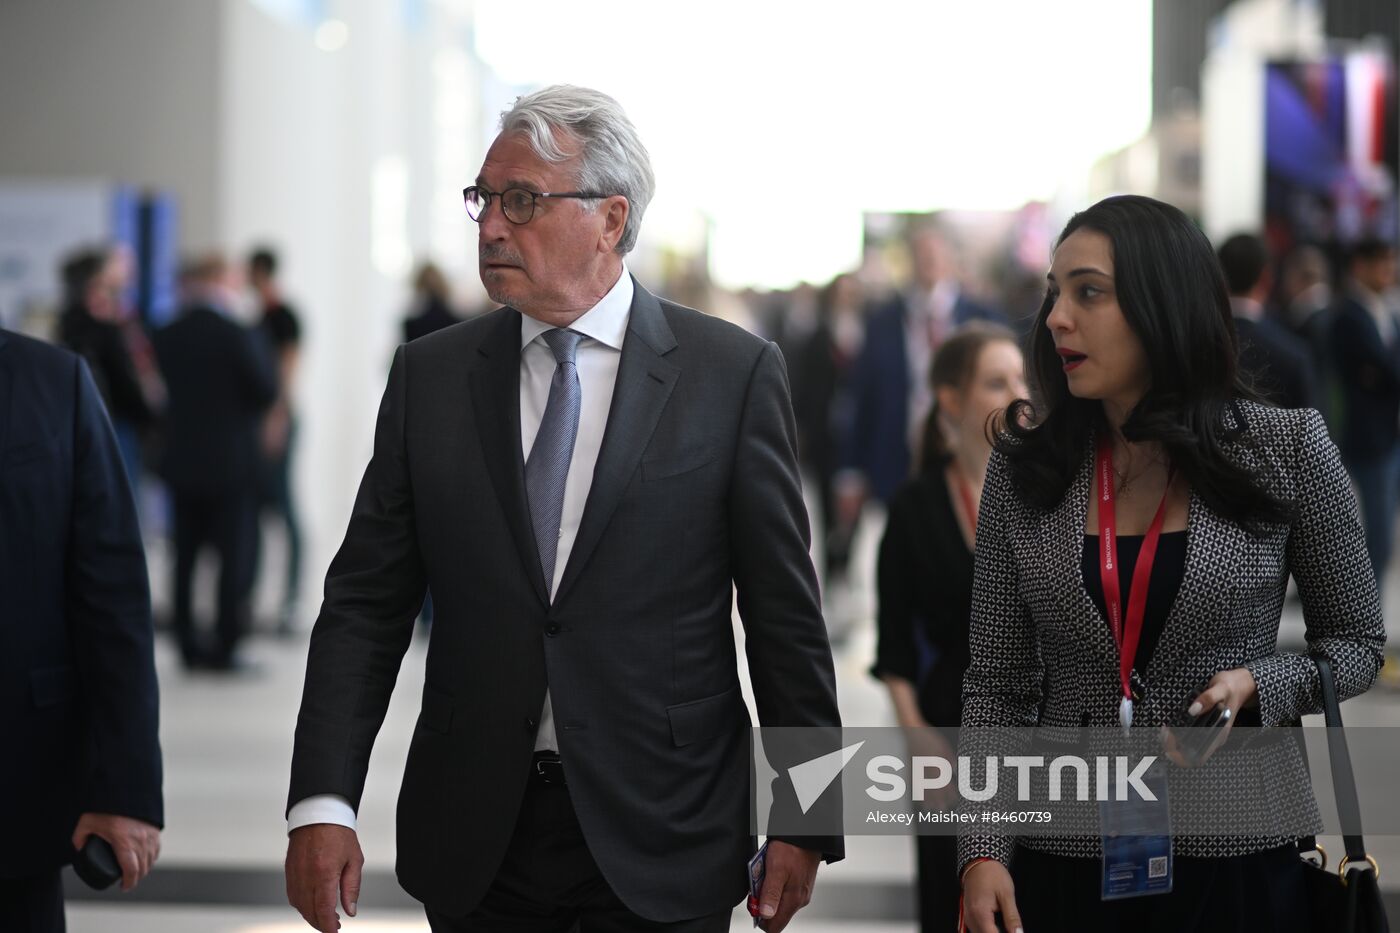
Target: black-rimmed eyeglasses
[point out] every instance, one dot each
(517, 204)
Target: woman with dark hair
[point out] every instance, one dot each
(1135, 399)
(925, 568)
(93, 325)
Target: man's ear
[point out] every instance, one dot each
(615, 212)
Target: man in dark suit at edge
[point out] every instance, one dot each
(1366, 348)
(1277, 363)
(582, 478)
(78, 696)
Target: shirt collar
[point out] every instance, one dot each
(939, 300)
(605, 322)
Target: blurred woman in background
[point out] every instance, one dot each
(97, 326)
(925, 567)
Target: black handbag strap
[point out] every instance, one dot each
(1343, 778)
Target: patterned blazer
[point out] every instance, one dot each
(1042, 654)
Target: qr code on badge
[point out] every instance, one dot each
(1157, 867)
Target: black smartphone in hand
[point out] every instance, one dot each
(1201, 736)
(96, 864)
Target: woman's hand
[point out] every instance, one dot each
(1234, 689)
(988, 890)
(929, 742)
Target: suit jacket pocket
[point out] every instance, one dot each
(686, 461)
(701, 719)
(51, 685)
(436, 714)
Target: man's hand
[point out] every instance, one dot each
(323, 860)
(790, 875)
(136, 844)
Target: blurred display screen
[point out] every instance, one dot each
(1330, 151)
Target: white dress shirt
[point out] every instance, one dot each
(930, 311)
(604, 326)
(1384, 317)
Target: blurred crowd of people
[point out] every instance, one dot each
(206, 403)
(1316, 329)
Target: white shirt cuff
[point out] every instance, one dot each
(321, 808)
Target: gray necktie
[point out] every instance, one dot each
(548, 466)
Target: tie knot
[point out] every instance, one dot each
(563, 344)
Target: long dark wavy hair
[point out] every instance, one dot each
(1172, 294)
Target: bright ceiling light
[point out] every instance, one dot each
(332, 35)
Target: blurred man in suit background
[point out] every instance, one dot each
(1276, 362)
(1366, 345)
(220, 380)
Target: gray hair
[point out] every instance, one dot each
(612, 158)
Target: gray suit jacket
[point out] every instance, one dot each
(1042, 655)
(696, 492)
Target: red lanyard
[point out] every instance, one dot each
(1127, 630)
(969, 504)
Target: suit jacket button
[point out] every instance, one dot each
(530, 724)
(552, 629)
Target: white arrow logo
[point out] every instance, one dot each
(811, 778)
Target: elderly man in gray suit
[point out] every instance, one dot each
(582, 478)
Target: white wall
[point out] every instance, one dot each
(1247, 35)
(349, 162)
(330, 159)
(1232, 138)
(122, 90)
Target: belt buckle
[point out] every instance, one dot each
(550, 770)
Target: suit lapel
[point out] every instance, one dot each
(496, 402)
(645, 380)
(1211, 540)
(1066, 524)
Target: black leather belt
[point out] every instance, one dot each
(548, 769)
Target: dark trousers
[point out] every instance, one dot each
(228, 523)
(1378, 485)
(549, 883)
(275, 492)
(939, 888)
(1263, 892)
(32, 905)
